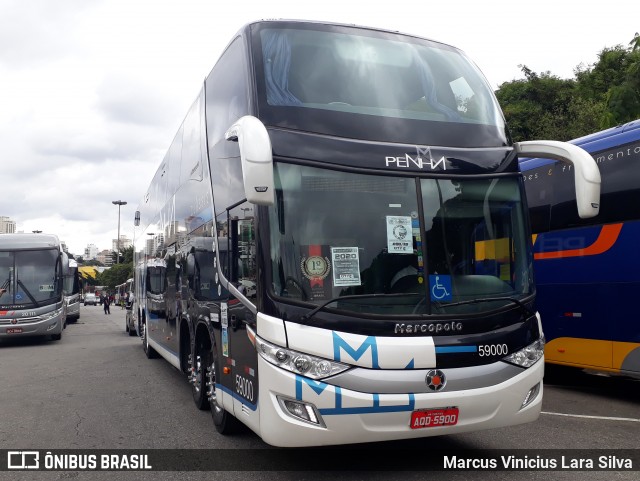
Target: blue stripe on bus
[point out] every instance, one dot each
(251, 406)
(455, 349)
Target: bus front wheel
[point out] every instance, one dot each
(224, 422)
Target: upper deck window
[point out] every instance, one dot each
(324, 78)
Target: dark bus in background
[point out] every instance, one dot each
(32, 272)
(588, 270)
(336, 248)
(72, 292)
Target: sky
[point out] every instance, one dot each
(93, 91)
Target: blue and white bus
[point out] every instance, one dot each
(588, 270)
(32, 272)
(336, 247)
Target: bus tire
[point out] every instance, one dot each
(56, 337)
(148, 350)
(224, 421)
(127, 322)
(199, 388)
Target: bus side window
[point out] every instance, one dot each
(243, 251)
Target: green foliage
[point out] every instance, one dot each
(605, 94)
(536, 105)
(93, 262)
(126, 255)
(608, 71)
(116, 274)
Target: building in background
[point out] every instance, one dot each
(90, 252)
(124, 243)
(105, 257)
(7, 226)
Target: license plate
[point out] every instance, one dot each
(431, 418)
(14, 330)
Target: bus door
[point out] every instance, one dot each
(238, 351)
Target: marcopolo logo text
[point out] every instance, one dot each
(428, 328)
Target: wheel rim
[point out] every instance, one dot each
(197, 382)
(213, 400)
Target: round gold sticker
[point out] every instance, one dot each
(315, 267)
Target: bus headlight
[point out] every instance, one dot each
(51, 315)
(527, 356)
(297, 362)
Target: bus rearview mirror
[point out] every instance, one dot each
(585, 168)
(256, 158)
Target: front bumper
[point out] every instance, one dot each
(73, 310)
(355, 417)
(32, 327)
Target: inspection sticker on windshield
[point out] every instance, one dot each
(46, 287)
(399, 237)
(346, 266)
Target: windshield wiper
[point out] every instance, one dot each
(520, 304)
(4, 289)
(313, 311)
(24, 288)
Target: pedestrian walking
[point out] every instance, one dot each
(106, 305)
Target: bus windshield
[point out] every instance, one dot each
(433, 243)
(322, 79)
(72, 282)
(30, 277)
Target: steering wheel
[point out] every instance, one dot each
(298, 286)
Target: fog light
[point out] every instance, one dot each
(301, 411)
(531, 395)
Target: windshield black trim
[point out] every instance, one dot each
(389, 173)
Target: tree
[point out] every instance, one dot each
(635, 42)
(533, 106)
(115, 275)
(126, 255)
(596, 80)
(93, 262)
(602, 95)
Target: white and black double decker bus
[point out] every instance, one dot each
(336, 249)
(32, 272)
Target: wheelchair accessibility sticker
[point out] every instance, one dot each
(440, 287)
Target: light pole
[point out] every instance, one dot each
(118, 203)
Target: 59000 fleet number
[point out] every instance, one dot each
(487, 350)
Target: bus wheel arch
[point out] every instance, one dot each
(148, 350)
